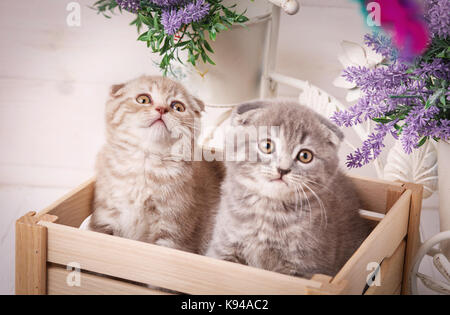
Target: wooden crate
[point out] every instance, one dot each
(48, 241)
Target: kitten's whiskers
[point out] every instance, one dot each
(323, 212)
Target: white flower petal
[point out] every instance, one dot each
(343, 83)
(353, 95)
(355, 53)
(345, 62)
(373, 57)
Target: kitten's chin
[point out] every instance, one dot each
(277, 190)
(158, 132)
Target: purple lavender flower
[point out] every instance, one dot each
(417, 124)
(168, 3)
(438, 16)
(195, 11)
(371, 148)
(378, 85)
(129, 5)
(381, 44)
(172, 19)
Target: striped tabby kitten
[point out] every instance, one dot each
(291, 210)
(142, 191)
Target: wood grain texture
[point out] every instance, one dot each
(92, 285)
(31, 255)
(327, 287)
(75, 206)
(381, 243)
(413, 239)
(373, 193)
(163, 267)
(391, 273)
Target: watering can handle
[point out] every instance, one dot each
(289, 6)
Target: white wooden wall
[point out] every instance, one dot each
(54, 80)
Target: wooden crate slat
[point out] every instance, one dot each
(75, 206)
(374, 194)
(92, 285)
(31, 256)
(413, 238)
(391, 273)
(164, 267)
(381, 243)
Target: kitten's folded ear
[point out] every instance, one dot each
(336, 134)
(200, 104)
(243, 112)
(116, 90)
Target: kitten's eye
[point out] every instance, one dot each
(267, 146)
(305, 156)
(144, 99)
(178, 106)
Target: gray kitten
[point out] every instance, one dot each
(290, 210)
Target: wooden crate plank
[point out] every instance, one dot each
(391, 273)
(413, 238)
(75, 206)
(327, 288)
(373, 193)
(381, 243)
(164, 267)
(31, 255)
(92, 285)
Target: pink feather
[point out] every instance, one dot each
(404, 20)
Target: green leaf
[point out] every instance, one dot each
(145, 19)
(191, 57)
(220, 27)
(382, 120)
(156, 22)
(442, 54)
(208, 47)
(205, 56)
(143, 37)
(433, 98)
(422, 141)
(212, 34)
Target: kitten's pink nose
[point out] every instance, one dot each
(161, 109)
(283, 171)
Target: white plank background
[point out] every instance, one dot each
(54, 80)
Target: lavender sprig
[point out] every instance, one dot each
(382, 45)
(175, 25)
(409, 101)
(438, 17)
(172, 19)
(129, 5)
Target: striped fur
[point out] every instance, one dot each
(143, 191)
(306, 224)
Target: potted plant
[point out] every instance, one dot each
(204, 43)
(408, 100)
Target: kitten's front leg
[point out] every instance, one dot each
(102, 221)
(166, 242)
(224, 252)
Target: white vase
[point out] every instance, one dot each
(444, 191)
(239, 57)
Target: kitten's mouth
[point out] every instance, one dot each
(158, 121)
(278, 180)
